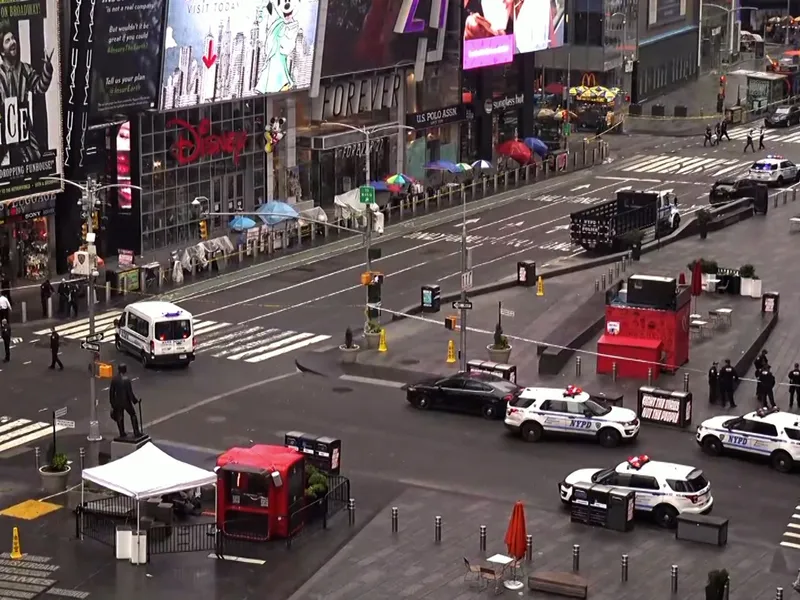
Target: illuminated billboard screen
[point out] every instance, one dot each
(496, 30)
(217, 51)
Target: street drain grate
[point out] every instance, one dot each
(409, 361)
(342, 390)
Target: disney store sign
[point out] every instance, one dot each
(196, 143)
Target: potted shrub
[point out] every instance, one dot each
(499, 349)
(349, 350)
(707, 267)
(372, 335)
(633, 241)
(703, 220)
(747, 274)
(55, 474)
(715, 588)
(316, 489)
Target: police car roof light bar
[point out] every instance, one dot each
(572, 391)
(637, 462)
(763, 412)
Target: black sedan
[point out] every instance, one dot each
(726, 190)
(471, 393)
(783, 116)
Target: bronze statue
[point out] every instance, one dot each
(123, 400)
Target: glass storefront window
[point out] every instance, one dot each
(31, 249)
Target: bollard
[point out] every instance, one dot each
(50, 307)
(650, 376)
(794, 194)
(576, 558)
(577, 366)
(623, 573)
(394, 519)
(685, 382)
(617, 268)
(351, 511)
(483, 538)
(674, 579)
(596, 285)
(82, 456)
(610, 275)
(603, 281)
(529, 547)
(614, 371)
(624, 263)
(24, 312)
(241, 252)
(776, 201)
(726, 591)
(37, 453)
(779, 593)
(437, 529)
(796, 584)
(124, 286)
(785, 197)
(108, 292)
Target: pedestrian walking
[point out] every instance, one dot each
(727, 381)
(725, 130)
(63, 293)
(759, 363)
(766, 385)
(5, 287)
(707, 139)
(713, 383)
(794, 386)
(5, 333)
(45, 293)
(749, 142)
(718, 132)
(55, 344)
(72, 300)
(5, 308)
(761, 145)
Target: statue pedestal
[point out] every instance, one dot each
(122, 446)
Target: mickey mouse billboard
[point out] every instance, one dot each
(217, 51)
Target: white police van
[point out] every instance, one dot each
(156, 333)
(569, 411)
(663, 490)
(769, 433)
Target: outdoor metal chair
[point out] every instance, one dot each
(472, 572)
(491, 576)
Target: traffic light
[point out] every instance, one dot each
(96, 221)
(203, 230)
(374, 294)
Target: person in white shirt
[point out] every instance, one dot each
(5, 308)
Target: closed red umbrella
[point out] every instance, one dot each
(516, 540)
(682, 278)
(697, 278)
(517, 150)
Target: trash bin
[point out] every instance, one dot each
(770, 301)
(292, 440)
(430, 298)
(328, 455)
(526, 273)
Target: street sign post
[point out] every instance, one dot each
(65, 424)
(462, 305)
(466, 281)
(95, 337)
(61, 412)
(366, 194)
(90, 346)
(57, 414)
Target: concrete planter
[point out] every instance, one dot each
(54, 482)
(348, 355)
(373, 340)
(755, 289)
(746, 288)
(501, 356)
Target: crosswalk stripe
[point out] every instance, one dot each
(23, 431)
(737, 165)
(699, 166)
(207, 330)
(292, 348)
(259, 339)
(200, 326)
(69, 329)
(649, 162)
(275, 341)
(206, 344)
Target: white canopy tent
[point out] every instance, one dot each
(147, 473)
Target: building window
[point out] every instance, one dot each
(588, 28)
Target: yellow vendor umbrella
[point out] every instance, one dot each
(578, 90)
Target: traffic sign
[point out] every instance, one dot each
(90, 346)
(65, 424)
(60, 412)
(506, 312)
(366, 194)
(95, 337)
(462, 305)
(466, 280)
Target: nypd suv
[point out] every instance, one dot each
(769, 433)
(663, 489)
(538, 410)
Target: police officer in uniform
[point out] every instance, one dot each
(713, 383)
(5, 333)
(794, 386)
(707, 139)
(766, 384)
(55, 344)
(122, 400)
(727, 379)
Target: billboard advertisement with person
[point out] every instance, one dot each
(30, 86)
(495, 30)
(217, 51)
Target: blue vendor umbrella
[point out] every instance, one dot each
(274, 212)
(443, 165)
(242, 223)
(537, 145)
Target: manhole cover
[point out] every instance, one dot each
(342, 390)
(409, 361)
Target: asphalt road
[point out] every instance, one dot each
(384, 438)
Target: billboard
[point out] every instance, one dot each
(216, 51)
(30, 86)
(127, 48)
(360, 35)
(495, 30)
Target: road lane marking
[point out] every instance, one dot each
(373, 381)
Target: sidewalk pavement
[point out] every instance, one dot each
(417, 346)
(380, 565)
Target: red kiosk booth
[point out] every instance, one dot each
(260, 491)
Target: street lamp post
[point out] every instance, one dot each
(624, 44)
(88, 203)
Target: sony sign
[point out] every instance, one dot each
(343, 99)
